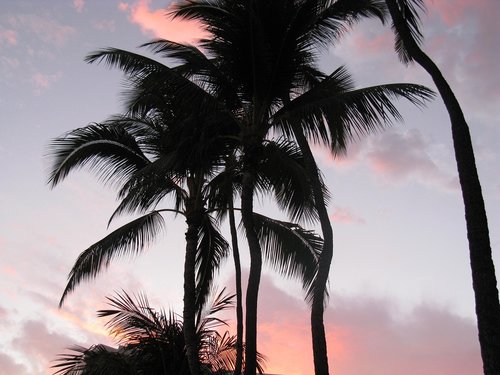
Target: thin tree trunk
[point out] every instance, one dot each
(189, 314)
(254, 273)
(320, 352)
(239, 293)
(483, 270)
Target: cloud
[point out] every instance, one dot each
(123, 6)
(346, 216)
(8, 366)
(402, 156)
(79, 5)
(104, 25)
(40, 345)
(45, 29)
(158, 23)
(367, 336)
(8, 36)
(399, 157)
(44, 81)
(453, 12)
(462, 41)
(460, 36)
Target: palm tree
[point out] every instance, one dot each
(156, 79)
(119, 149)
(152, 342)
(406, 24)
(132, 139)
(267, 50)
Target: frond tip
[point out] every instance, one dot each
(131, 238)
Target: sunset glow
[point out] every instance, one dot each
(401, 299)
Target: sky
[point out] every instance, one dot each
(401, 296)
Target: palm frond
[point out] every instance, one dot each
(335, 18)
(282, 171)
(132, 319)
(218, 353)
(131, 238)
(96, 360)
(408, 15)
(223, 187)
(290, 249)
(333, 113)
(146, 189)
(109, 151)
(202, 10)
(212, 250)
(195, 65)
(130, 63)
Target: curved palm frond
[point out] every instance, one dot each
(145, 190)
(212, 250)
(151, 82)
(409, 10)
(334, 113)
(216, 302)
(206, 11)
(131, 238)
(334, 19)
(282, 171)
(290, 249)
(130, 63)
(110, 152)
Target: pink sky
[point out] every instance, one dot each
(401, 299)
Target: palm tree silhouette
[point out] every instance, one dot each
(121, 148)
(152, 342)
(406, 23)
(265, 54)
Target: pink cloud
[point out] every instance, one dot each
(40, 345)
(452, 12)
(9, 366)
(350, 158)
(79, 5)
(397, 157)
(345, 216)
(372, 44)
(461, 39)
(9, 270)
(44, 81)
(367, 336)
(42, 28)
(401, 156)
(123, 6)
(8, 36)
(159, 24)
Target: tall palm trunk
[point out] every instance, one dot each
(247, 193)
(193, 222)
(483, 270)
(239, 293)
(320, 353)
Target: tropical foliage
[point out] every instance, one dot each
(152, 342)
(233, 117)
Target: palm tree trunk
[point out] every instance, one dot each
(254, 273)
(320, 353)
(189, 314)
(483, 270)
(239, 294)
